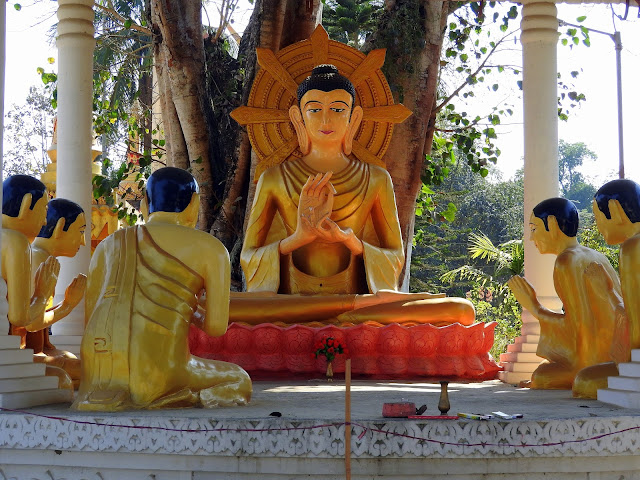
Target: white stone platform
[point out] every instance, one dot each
(559, 438)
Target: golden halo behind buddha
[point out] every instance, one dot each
(274, 90)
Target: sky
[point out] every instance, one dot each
(594, 122)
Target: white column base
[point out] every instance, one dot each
(624, 390)
(23, 383)
(521, 360)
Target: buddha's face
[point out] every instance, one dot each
(609, 228)
(543, 239)
(35, 218)
(69, 242)
(326, 115)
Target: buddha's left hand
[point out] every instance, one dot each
(330, 232)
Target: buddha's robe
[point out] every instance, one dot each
(135, 351)
(320, 281)
(584, 336)
(364, 201)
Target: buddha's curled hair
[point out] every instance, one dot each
(326, 78)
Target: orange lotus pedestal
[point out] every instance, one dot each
(392, 351)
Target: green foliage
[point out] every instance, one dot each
(571, 156)
(488, 205)
(506, 313)
(489, 293)
(351, 21)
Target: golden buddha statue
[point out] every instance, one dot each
(24, 210)
(323, 241)
(576, 343)
(142, 294)
(62, 235)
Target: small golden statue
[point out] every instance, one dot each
(577, 342)
(61, 236)
(143, 289)
(24, 213)
(323, 242)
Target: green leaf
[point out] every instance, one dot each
(581, 19)
(17, 6)
(127, 23)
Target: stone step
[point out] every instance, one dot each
(526, 357)
(621, 398)
(8, 385)
(22, 370)
(525, 367)
(36, 397)
(9, 342)
(535, 339)
(514, 378)
(631, 384)
(530, 329)
(11, 357)
(635, 355)
(629, 369)
(522, 347)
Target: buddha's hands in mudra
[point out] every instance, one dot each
(314, 210)
(315, 205)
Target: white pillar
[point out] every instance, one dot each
(22, 382)
(539, 39)
(75, 43)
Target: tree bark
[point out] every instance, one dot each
(179, 54)
(412, 31)
(274, 24)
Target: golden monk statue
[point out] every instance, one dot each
(61, 236)
(24, 211)
(142, 293)
(616, 208)
(580, 337)
(323, 241)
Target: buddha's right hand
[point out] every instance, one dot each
(46, 278)
(315, 205)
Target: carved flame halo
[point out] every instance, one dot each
(274, 91)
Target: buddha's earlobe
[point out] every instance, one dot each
(354, 124)
(298, 124)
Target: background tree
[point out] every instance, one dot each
(351, 21)
(571, 157)
(27, 134)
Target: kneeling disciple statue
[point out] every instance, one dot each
(142, 293)
(616, 208)
(323, 241)
(577, 342)
(61, 236)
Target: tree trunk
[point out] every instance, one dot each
(412, 31)
(179, 56)
(274, 24)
